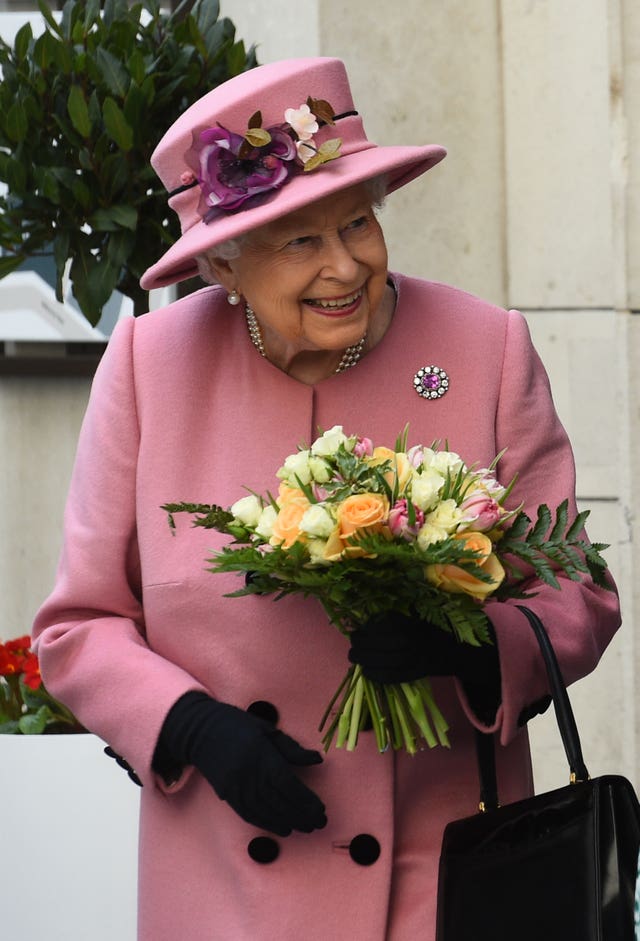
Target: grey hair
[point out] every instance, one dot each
(376, 188)
(230, 248)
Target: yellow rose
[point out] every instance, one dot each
(380, 455)
(458, 580)
(318, 551)
(286, 526)
(401, 469)
(333, 547)
(446, 516)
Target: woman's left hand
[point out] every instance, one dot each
(395, 648)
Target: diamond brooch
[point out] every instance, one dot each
(431, 382)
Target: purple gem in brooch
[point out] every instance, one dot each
(431, 382)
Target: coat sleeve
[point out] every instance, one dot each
(580, 618)
(90, 632)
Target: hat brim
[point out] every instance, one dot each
(400, 164)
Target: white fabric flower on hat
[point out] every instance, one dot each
(306, 149)
(303, 121)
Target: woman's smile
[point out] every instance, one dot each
(336, 306)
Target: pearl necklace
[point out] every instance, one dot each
(350, 357)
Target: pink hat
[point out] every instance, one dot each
(221, 184)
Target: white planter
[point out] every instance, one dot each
(69, 832)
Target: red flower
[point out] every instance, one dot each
(20, 645)
(31, 668)
(14, 654)
(9, 663)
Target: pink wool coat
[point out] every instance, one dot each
(184, 408)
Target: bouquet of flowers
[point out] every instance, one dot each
(26, 708)
(369, 530)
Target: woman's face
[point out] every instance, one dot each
(315, 278)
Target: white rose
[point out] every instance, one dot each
(296, 469)
(316, 521)
(428, 534)
(329, 442)
(425, 488)
(428, 455)
(320, 471)
(447, 461)
(447, 515)
(247, 510)
(264, 526)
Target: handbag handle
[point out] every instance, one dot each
(564, 717)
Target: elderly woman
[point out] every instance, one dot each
(246, 831)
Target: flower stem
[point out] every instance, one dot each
(396, 739)
(402, 715)
(354, 725)
(408, 738)
(344, 720)
(415, 703)
(440, 723)
(334, 698)
(378, 719)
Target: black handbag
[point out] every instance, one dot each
(559, 865)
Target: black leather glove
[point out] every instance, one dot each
(394, 648)
(246, 760)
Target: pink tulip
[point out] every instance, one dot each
(482, 510)
(398, 521)
(363, 447)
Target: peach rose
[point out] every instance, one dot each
(288, 494)
(456, 579)
(286, 526)
(362, 513)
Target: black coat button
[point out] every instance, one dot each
(263, 849)
(120, 761)
(364, 849)
(264, 710)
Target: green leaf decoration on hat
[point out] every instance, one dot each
(257, 137)
(326, 152)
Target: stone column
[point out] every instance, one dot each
(566, 161)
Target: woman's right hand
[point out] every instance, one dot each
(247, 761)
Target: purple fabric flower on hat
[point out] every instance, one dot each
(231, 171)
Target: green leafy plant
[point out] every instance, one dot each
(82, 107)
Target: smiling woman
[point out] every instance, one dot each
(247, 832)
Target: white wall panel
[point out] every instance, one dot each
(557, 135)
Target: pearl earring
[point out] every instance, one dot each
(234, 298)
